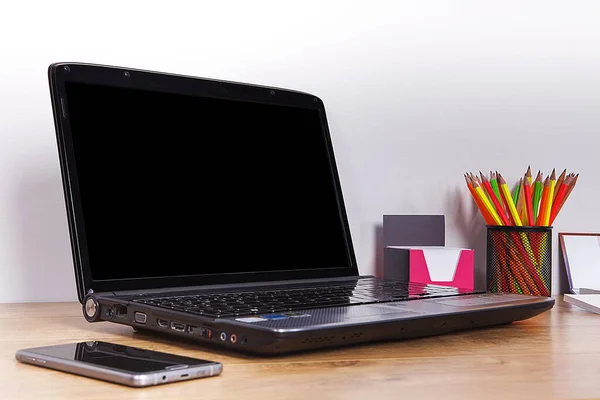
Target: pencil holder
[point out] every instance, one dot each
(519, 259)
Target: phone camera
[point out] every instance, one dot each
(67, 69)
(127, 74)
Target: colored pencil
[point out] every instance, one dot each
(486, 203)
(509, 201)
(543, 202)
(537, 194)
(521, 209)
(569, 190)
(528, 201)
(560, 195)
(526, 180)
(559, 182)
(538, 202)
(486, 215)
(515, 194)
(494, 183)
(571, 187)
(550, 198)
(495, 202)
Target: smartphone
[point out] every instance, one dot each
(130, 366)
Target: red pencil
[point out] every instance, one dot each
(562, 192)
(494, 199)
(528, 200)
(486, 215)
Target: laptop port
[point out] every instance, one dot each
(233, 338)
(198, 331)
(139, 317)
(223, 336)
(162, 323)
(176, 326)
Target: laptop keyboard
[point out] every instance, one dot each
(250, 302)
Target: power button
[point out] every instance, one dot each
(63, 107)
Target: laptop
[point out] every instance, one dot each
(212, 211)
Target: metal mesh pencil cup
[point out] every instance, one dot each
(519, 259)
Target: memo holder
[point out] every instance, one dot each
(415, 251)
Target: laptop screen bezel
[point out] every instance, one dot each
(61, 73)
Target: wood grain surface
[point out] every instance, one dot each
(554, 355)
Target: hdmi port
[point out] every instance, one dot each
(176, 326)
(162, 323)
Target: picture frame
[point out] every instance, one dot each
(581, 256)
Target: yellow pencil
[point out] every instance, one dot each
(550, 199)
(486, 202)
(509, 201)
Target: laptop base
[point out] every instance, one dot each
(302, 331)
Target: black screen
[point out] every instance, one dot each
(174, 185)
(126, 358)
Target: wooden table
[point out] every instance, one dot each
(555, 355)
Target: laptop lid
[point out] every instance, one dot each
(174, 181)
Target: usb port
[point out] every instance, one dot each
(139, 317)
(176, 326)
(194, 330)
(162, 323)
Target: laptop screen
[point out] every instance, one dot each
(176, 185)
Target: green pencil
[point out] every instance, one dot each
(537, 195)
(516, 193)
(494, 183)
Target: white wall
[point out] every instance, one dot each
(416, 93)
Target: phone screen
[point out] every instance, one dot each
(125, 358)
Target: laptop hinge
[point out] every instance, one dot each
(253, 285)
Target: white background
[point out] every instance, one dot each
(417, 93)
